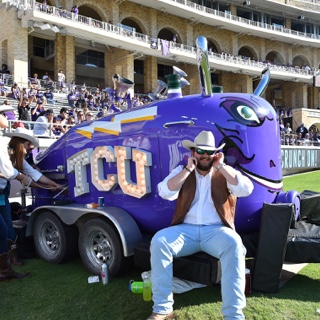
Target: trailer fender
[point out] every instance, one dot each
(127, 228)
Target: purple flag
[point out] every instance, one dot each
(165, 45)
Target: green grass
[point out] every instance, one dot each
(62, 291)
(303, 181)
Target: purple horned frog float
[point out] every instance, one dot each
(123, 156)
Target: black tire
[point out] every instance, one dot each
(99, 243)
(54, 241)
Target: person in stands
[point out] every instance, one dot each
(287, 129)
(3, 90)
(10, 114)
(206, 190)
(15, 92)
(24, 112)
(60, 122)
(88, 116)
(80, 117)
(37, 111)
(43, 125)
(61, 78)
(302, 129)
(299, 140)
(71, 122)
(23, 94)
(49, 96)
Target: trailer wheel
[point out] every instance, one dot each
(54, 241)
(99, 243)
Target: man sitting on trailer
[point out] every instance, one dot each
(206, 190)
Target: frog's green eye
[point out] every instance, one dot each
(247, 113)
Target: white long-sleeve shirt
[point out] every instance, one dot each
(202, 210)
(6, 168)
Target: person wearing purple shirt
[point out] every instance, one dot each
(40, 96)
(72, 112)
(72, 98)
(37, 111)
(9, 114)
(32, 95)
(91, 104)
(75, 10)
(15, 92)
(49, 96)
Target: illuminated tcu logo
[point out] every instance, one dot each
(121, 155)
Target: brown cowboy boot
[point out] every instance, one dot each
(12, 247)
(3, 277)
(6, 272)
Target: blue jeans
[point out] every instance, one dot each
(6, 227)
(185, 239)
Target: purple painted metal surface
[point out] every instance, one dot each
(245, 122)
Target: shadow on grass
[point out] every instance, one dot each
(300, 287)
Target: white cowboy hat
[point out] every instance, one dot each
(204, 140)
(5, 107)
(24, 134)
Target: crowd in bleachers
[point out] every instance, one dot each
(283, 112)
(301, 137)
(37, 107)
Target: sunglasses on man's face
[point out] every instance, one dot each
(2, 113)
(208, 152)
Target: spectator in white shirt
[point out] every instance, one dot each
(61, 78)
(43, 126)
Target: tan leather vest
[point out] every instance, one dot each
(224, 201)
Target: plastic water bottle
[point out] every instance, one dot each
(147, 290)
(136, 287)
(104, 274)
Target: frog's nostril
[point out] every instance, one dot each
(272, 164)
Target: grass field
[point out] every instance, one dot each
(303, 181)
(62, 291)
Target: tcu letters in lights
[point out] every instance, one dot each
(121, 155)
